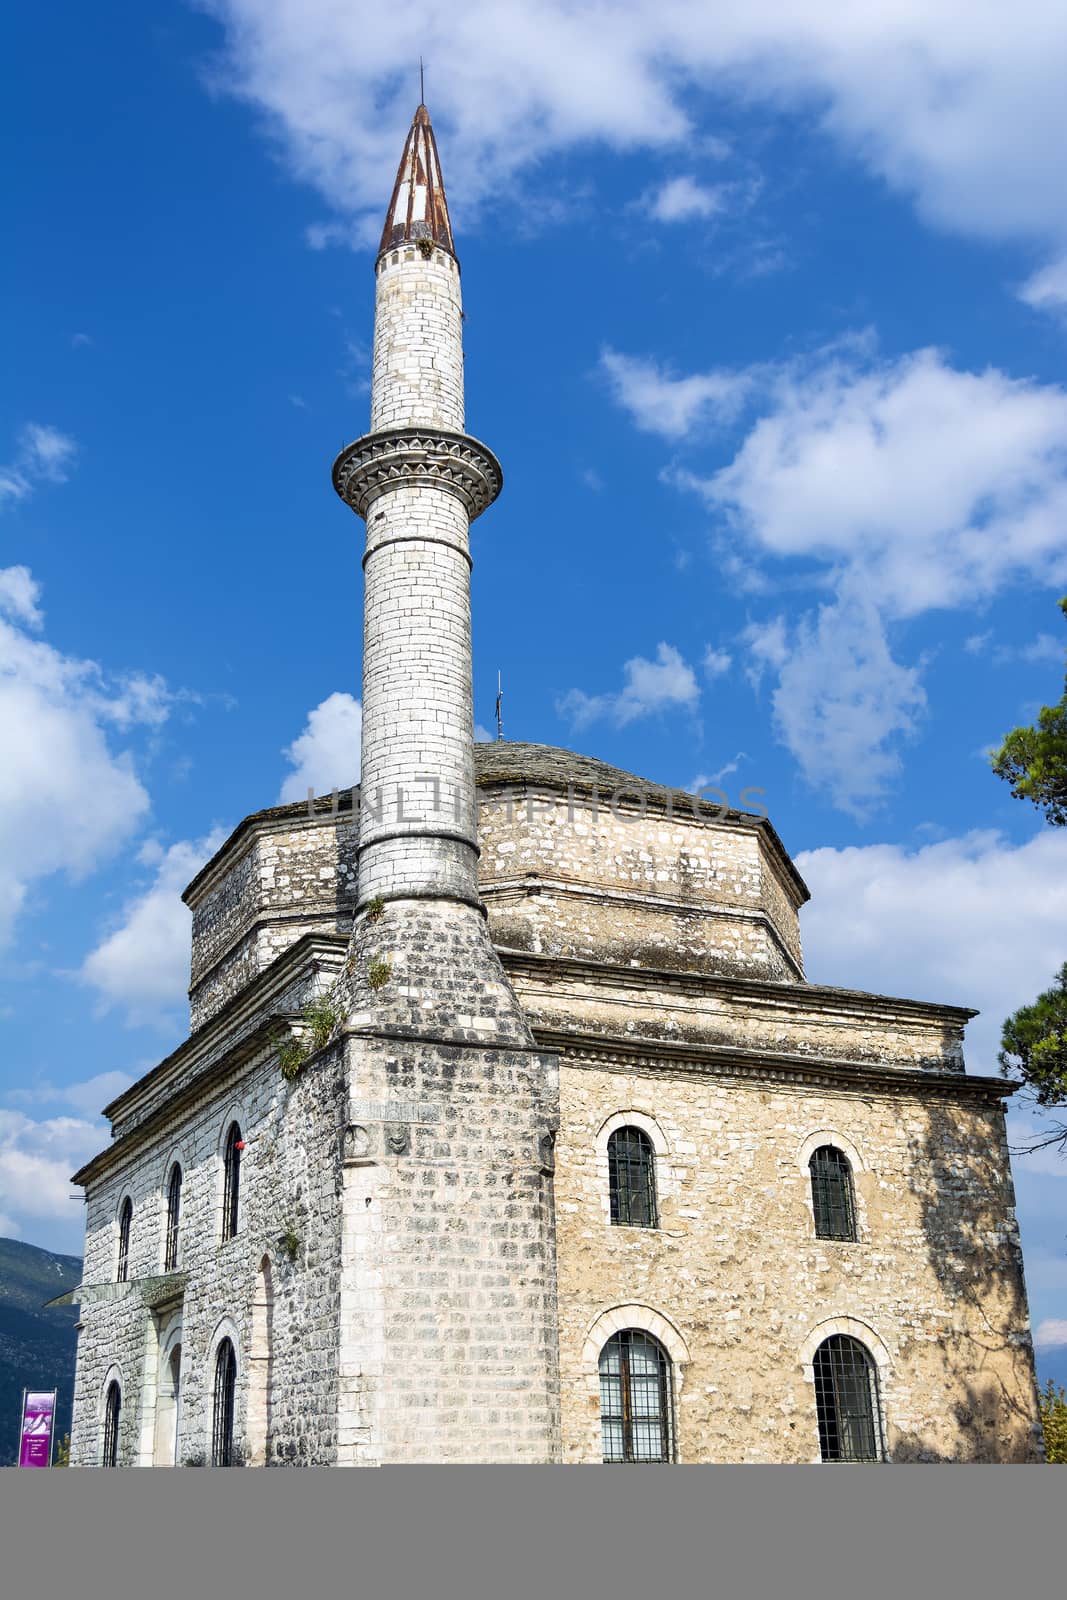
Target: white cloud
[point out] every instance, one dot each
(1047, 290)
(716, 662)
(649, 686)
(36, 1161)
(46, 452)
(973, 921)
(482, 735)
(703, 779)
(143, 963)
(88, 1097)
(19, 594)
(841, 703)
(659, 402)
(954, 109)
(58, 761)
(682, 198)
(1046, 647)
(42, 454)
(1051, 1332)
(767, 647)
(899, 485)
(1043, 647)
(326, 755)
(939, 484)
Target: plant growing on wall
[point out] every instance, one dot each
(319, 1017)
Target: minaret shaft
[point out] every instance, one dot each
(418, 480)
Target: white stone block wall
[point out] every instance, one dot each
(417, 375)
(418, 761)
(289, 1181)
(448, 1302)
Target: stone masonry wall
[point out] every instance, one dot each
(287, 881)
(417, 374)
(448, 1311)
(630, 888)
(556, 879)
(735, 1279)
(290, 1182)
(418, 762)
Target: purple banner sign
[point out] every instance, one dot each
(35, 1434)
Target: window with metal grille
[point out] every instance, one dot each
(846, 1400)
(112, 1413)
(231, 1194)
(635, 1399)
(125, 1224)
(222, 1415)
(632, 1178)
(174, 1210)
(832, 1196)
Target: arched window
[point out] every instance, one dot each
(222, 1415)
(231, 1193)
(846, 1400)
(112, 1414)
(832, 1196)
(635, 1399)
(174, 1211)
(632, 1178)
(122, 1270)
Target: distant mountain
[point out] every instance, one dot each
(36, 1347)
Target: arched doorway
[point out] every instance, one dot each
(168, 1404)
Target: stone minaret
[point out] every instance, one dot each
(448, 1338)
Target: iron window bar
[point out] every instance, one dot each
(232, 1187)
(174, 1207)
(112, 1413)
(122, 1266)
(632, 1178)
(635, 1399)
(846, 1401)
(223, 1410)
(832, 1195)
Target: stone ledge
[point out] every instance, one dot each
(624, 1054)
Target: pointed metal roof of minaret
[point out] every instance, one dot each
(418, 209)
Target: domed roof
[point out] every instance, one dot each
(505, 761)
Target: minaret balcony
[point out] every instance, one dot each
(429, 458)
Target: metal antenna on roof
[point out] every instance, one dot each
(499, 711)
(422, 84)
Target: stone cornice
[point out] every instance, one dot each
(273, 819)
(625, 1054)
(239, 1020)
(517, 889)
(428, 458)
(757, 990)
(235, 1055)
(320, 911)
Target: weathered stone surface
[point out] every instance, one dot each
(933, 1287)
(424, 1266)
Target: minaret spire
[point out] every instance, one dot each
(418, 209)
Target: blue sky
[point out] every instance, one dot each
(766, 321)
